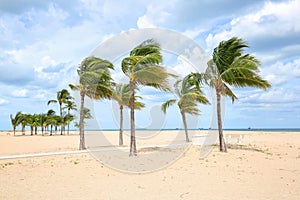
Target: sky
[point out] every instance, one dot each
(43, 42)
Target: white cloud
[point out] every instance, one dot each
(19, 93)
(155, 14)
(273, 20)
(280, 73)
(3, 102)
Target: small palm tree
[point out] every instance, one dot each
(42, 122)
(230, 67)
(95, 82)
(142, 67)
(121, 94)
(189, 95)
(57, 121)
(16, 120)
(68, 118)
(24, 122)
(70, 105)
(51, 119)
(30, 122)
(61, 98)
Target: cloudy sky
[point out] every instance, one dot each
(43, 42)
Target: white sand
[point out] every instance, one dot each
(269, 168)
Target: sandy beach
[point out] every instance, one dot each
(264, 165)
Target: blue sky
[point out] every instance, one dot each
(43, 42)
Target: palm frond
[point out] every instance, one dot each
(167, 104)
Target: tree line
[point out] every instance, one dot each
(49, 122)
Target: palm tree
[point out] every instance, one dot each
(50, 119)
(68, 118)
(57, 121)
(142, 67)
(231, 67)
(87, 115)
(189, 95)
(42, 122)
(30, 122)
(70, 105)
(16, 120)
(121, 94)
(95, 82)
(24, 122)
(62, 97)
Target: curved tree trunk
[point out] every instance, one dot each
(121, 126)
(185, 126)
(81, 122)
(223, 147)
(133, 151)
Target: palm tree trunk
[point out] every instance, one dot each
(31, 130)
(23, 129)
(35, 130)
(121, 126)
(60, 110)
(223, 147)
(14, 130)
(68, 123)
(133, 151)
(81, 122)
(42, 130)
(51, 127)
(185, 126)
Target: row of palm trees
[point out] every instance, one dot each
(48, 120)
(229, 67)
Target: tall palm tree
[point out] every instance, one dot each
(189, 95)
(142, 67)
(95, 82)
(70, 105)
(62, 97)
(231, 67)
(16, 120)
(121, 94)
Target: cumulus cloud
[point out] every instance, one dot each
(280, 73)
(269, 25)
(19, 93)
